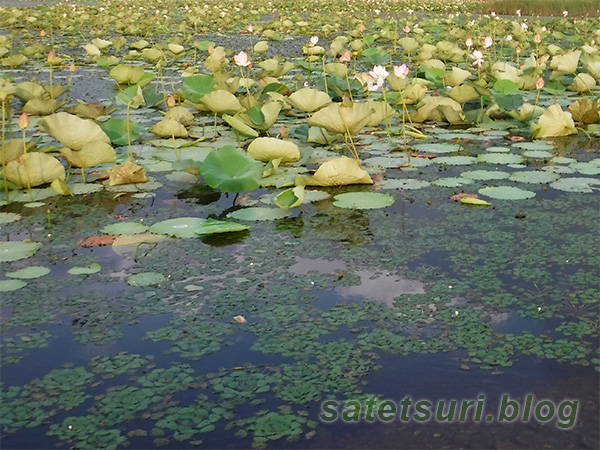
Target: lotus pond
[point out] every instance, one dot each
(217, 216)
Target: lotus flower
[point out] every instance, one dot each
(241, 59)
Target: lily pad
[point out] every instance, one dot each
(497, 149)
(533, 145)
(259, 213)
(181, 227)
(506, 193)
(456, 160)
(11, 285)
(16, 250)
(485, 175)
(534, 177)
(452, 182)
(6, 217)
(576, 184)
(116, 229)
(146, 279)
(440, 147)
(408, 183)
(363, 200)
(585, 168)
(213, 226)
(231, 170)
(85, 270)
(538, 154)
(29, 273)
(500, 158)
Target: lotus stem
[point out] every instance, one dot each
(49, 224)
(215, 129)
(82, 175)
(349, 89)
(26, 166)
(585, 132)
(4, 152)
(244, 78)
(129, 131)
(173, 136)
(385, 115)
(324, 74)
(346, 136)
(68, 173)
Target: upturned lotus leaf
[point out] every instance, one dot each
(220, 101)
(216, 60)
(13, 60)
(456, 76)
(91, 154)
(140, 45)
(175, 48)
(336, 68)
(34, 169)
(321, 136)
(14, 148)
(92, 50)
(527, 112)
(564, 64)
(274, 68)
(41, 107)
(270, 113)
(553, 122)
(463, 93)
(239, 126)
(340, 171)
(90, 110)
(267, 149)
(72, 131)
(439, 109)
(409, 44)
(27, 90)
(593, 68)
(585, 110)
(101, 43)
(504, 71)
(169, 128)
(396, 83)
(309, 100)
(152, 54)
(380, 111)
(182, 115)
(127, 173)
(290, 198)
(7, 87)
(583, 83)
(342, 119)
(261, 47)
(126, 74)
(313, 51)
(412, 94)
(231, 170)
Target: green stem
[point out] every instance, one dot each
(385, 115)
(173, 136)
(324, 74)
(27, 166)
(129, 132)
(4, 153)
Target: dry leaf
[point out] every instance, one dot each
(127, 173)
(240, 319)
(457, 197)
(97, 241)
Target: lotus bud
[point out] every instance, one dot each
(539, 84)
(487, 42)
(211, 49)
(406, 28)
(42, 33)
(51, 56)
(345, 57)
(170, 101)
(250, 28)
(361, 27)
(72, 67)
(537, 38)
(518, 50)
(23, 121)
(469, 42)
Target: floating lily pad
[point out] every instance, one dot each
(563, 160)
(498, 149)
(452, 182)
(315, 196)
(500, 158)
(146, 279)
(29, 272)
(439, 147)
(534, 177)
(116, 229)
(386, 161)
(485, 175)
(585, 168)
(213, 226)
(85, 270)
(15, 250)
(456, 160)
(259, 213)
(538, 154)
(506, 193)
(182, 227)
(408, 183)
(34, 205)
(533, 146)
(9, 217)
(363, 200)
(576, 184)
(11, 285)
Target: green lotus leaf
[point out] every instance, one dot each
(214, 226)
(500, 158)
(585, 110)
(6, 217)
(117, 131)
(269, 113)
(363, 200)
(583, 83)
(338, 118)
(34, 169)
(553, 122)
(119, 228)
(564, 64)
(526, 113)
(260, 47)
(576, 184)
(460, 160)
(220, 101)
(181, 227)
(380, 110)
(72, 131)
(16, 250)
(90, 155)
(152, 54)
(14, 60)
(409, 44)
(506, 87)
(534, 177)
(290, 198)
(506, 193)
(452, 182)
(231, 170)
(267, 148)
(336, 68)
(239, 126)
(259, 213)
(29, 273)
(146, 279)
(309, 100)
(197, 86)
(85, 270)
(340, 171)
(456, 76)
(11, 285)
(126, 74)
(485, 175)
(463, 93)
(169, 128)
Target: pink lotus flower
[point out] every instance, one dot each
(51, 56)
(361, 27)
(537, 38)
(487, 42)
(519, 12)
(406, 29)
(23, 121)
(477, 58)
(250, 28)
(401, 71)
(539, 84)
(524, 26)
(171, 101)
(469, 42)
(241, 59)
(379, 74)
(345, 57)
(313, 41)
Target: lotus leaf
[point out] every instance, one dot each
(463, 93)
(14, 148)
(220, 101)
(501, 158)
(127, 173)
(505, 71)
(92, 50)
(16, 250)
(267, 148)
(91, 154)
(336, 68)
(27, 90)
(290, 198)
(534, 177)
(197, 86)
(14, 60)
(29, 273)
(261, 47)
(181, 227)
(485, 175)
(380, 111)
(34, 169)
(85, 270)
(576, 184)
(41, 107)
(309, 100)
(564, 64)
(146, 279)
(182, 115)
(152, 54)
(313, 51)
(72, 131)
(506, 193)
(216, 60)
(140, 45)
(412, 94)
(176, 49)
(321, 136)
(456, 76)
(119, 228)
(583, 83)
(126, 74)
(213, 226)
(552, 123)
(363, 200)
(527, 112)
(90, 110)
(585, 110)
(169, 128)
(231, 170)
(338, 172)
(269, 114)
(474, 201)
(342, 119)
(117, 130)
(409, 44)
(259, 213)
(240, 126)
